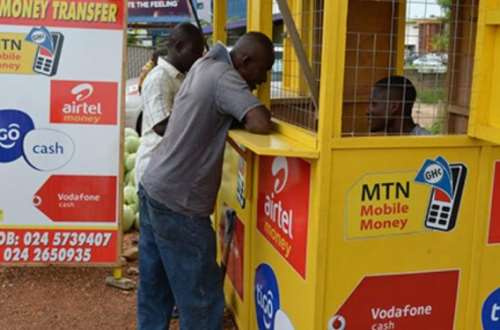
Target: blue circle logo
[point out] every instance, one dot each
(491, 311)
(267, 297)
(14, 125)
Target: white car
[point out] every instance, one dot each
(133, 105)
(430, 63)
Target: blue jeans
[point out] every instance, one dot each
(177, 265)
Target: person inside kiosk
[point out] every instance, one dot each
(390, 108)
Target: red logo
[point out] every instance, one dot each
(67, 198)
(401, 301)
(236, 253)
(283, 207)
(83, 102)
(494, 234)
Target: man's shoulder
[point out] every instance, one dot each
(214, 67)
(419, 130)
(157, 74)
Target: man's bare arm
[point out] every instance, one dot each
(258, 120)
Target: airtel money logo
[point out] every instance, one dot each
(14, 125)
(82, 92)
(274, 209)
(83, 102)
(280, 165)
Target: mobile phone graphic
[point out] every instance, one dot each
(45, 62)
(442, 210)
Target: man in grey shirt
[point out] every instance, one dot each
(179, 187)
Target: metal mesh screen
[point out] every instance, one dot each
(291, 96)
(137, 56)
(428, 42)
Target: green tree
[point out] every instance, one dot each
(441, 41)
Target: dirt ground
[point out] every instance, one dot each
(68, 298)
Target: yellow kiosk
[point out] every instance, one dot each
(339, 228)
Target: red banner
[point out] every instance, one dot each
(283, 207)
(236, 257)
(57, 246)
(78, 198)
(494, 234)
(97, 14)
(404, 301)
(83, 102)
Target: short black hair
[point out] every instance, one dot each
(252, 38)
(184, 31)
(399, 88)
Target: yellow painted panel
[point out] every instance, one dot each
(298, 296)
(487, 246)
(494, 112)
(484, 120)
(493, 17)
(220, 19)
(233, 184)
(405, 142)
(387, 255)
(301, 135)
(273, 144)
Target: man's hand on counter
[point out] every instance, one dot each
(258, 120)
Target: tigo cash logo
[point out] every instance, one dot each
(14, 125)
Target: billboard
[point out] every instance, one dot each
(61, 76)
(154, 11)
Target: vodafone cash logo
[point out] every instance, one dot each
(280, 173)
(270, 316)
(83, 102)
(14, 125)
(337, 322)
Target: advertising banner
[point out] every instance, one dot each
(159, 11)
(401, 301)
(61, 77)
(383, 204)
(283, 207)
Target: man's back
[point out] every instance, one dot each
(160, 87)
(185, 170)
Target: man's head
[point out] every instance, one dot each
(253, 57)
(185, 45)
(391, 104)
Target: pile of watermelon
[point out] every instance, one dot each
(130, 217)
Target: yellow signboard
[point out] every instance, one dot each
(386, 204)
(17, 55)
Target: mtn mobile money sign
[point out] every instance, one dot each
(404, 202)
(61, 77)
